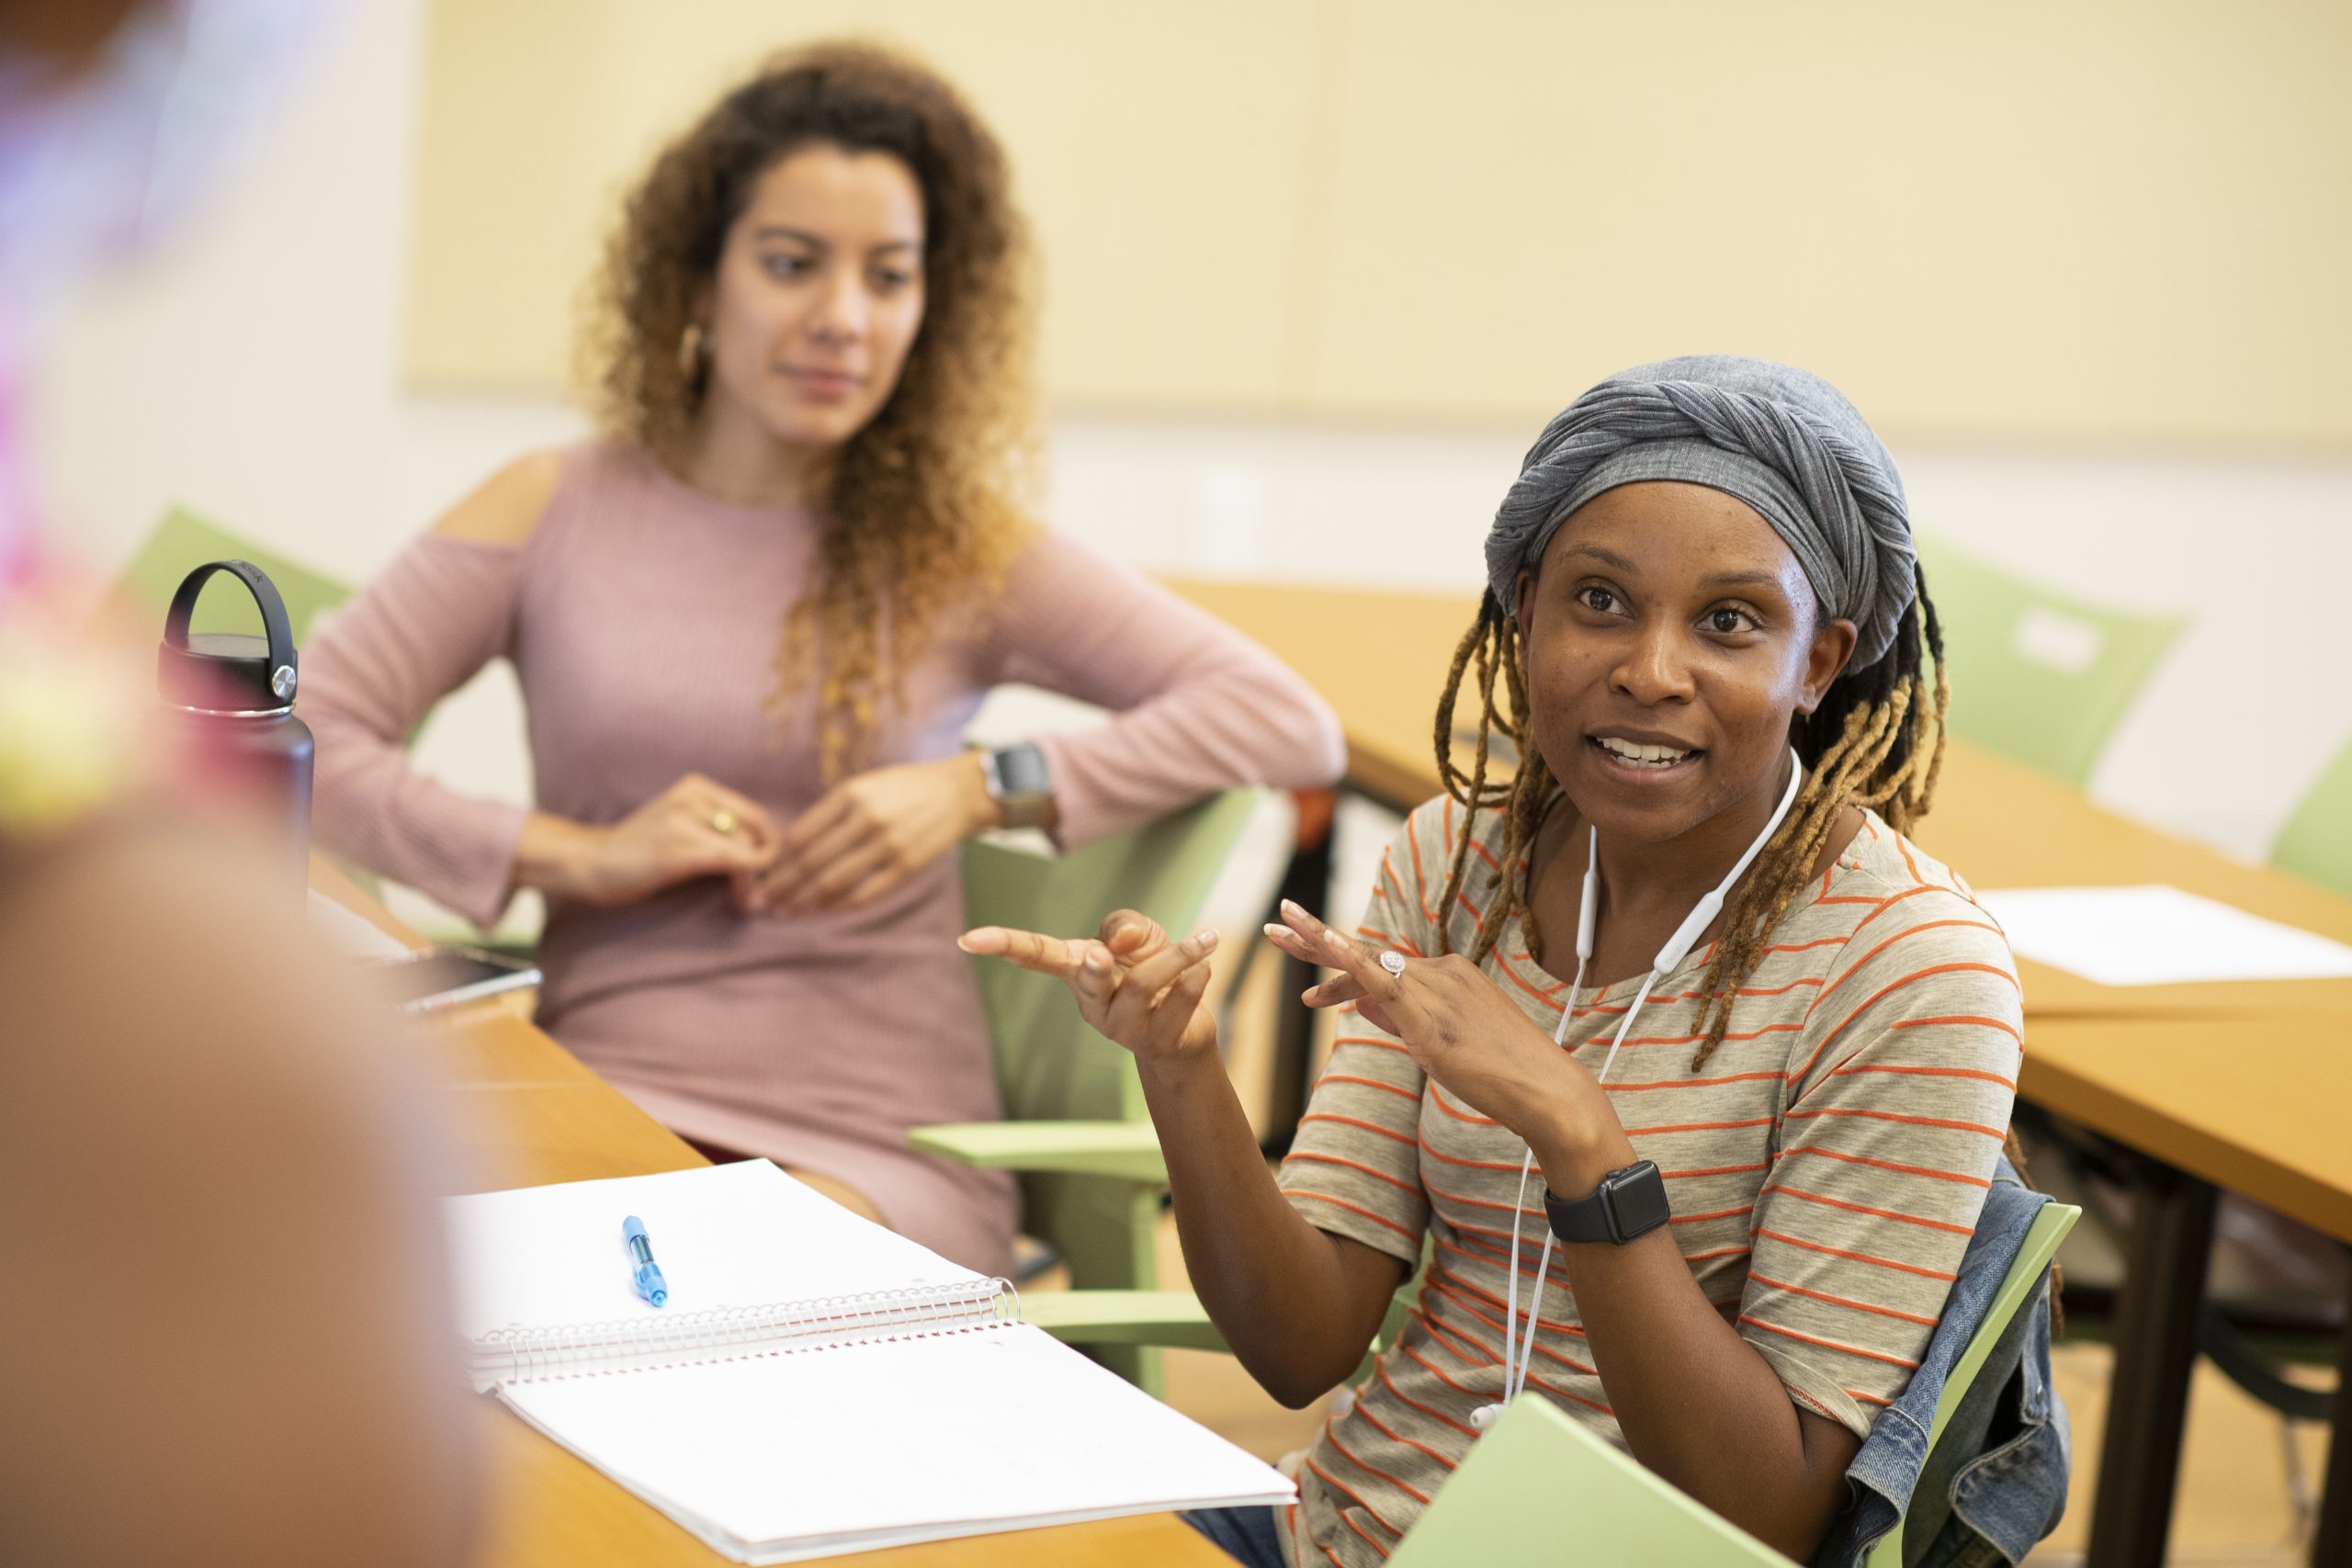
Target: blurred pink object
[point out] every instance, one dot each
(101, 158)
(106, 159)
(16, 559)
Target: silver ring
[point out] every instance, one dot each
(1394, 962)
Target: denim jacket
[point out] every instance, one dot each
(1997, 1482)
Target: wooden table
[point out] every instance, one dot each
(526, 1112)
(2243, 1087)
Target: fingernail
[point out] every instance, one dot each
(1273, 929)
(1201, 942)
(1290, 908)
(1334, 940)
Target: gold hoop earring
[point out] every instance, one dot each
(690, 351)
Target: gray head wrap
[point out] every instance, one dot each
(1782, 440)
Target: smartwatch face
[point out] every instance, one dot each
(1020, 771)
(1637, 1199)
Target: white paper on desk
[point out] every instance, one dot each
(349, 934)
(741, 1234)
(2157, 936)
(774, 1459)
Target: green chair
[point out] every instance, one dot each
(183, 541)
(2317, 841)
(1498, 1505)
(1075, 1124)
(2039, 676)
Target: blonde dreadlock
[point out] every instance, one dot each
(1876, 741)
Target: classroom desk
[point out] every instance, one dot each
(2241, 1087)
(524, 1110)
(2253, 1105)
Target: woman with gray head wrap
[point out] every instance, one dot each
(1788, 447)
(1713, 648)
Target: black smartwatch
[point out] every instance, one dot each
(1019, 783)
(1630, 1201)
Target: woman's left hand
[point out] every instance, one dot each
(869, 834)
(1461, 1031)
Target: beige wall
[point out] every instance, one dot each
(2057, 219)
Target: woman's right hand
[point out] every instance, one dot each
(1131, 983)
(696, 827)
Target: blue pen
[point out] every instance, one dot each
(648, 1274)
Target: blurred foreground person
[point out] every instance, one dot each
(226, 1317)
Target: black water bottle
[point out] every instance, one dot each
(232, 697)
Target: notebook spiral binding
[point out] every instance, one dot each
(522, 1355)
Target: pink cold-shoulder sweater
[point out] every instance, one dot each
(642, 619)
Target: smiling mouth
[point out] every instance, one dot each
(1641, 756)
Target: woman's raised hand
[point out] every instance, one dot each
(1131, 983)
(1460, 1028)
(1307, 938)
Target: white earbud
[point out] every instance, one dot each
(1588, 905)
(1686, 935)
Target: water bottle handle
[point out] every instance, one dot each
(275, 628)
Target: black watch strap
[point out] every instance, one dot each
(1629, 1202)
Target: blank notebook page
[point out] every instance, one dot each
(909, 1437)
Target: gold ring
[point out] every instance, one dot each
(722, 821)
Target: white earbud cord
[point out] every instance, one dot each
(1514, 1381)
(1517, 1357)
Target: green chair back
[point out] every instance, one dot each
(1539, 1466)
(2036, 676)
(2317, 841)
(1050, 1067)
(183, 541)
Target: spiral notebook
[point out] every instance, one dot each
(817, 1384)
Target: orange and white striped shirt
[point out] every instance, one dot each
(1824, 1169)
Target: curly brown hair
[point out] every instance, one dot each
(923, 509)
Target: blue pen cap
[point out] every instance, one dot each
(632, 1229)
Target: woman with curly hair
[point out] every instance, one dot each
(751, 622)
